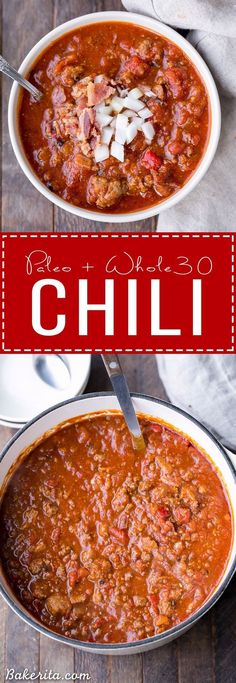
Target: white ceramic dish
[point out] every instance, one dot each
(23, 394)
(180, 421)
(166, 32)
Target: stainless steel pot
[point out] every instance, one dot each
(152, 407)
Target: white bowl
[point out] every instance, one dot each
(18, 370)
(180, 421)
(160, 29)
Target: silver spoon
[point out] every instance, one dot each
(12, 73)
(53, 369)
(120, 386)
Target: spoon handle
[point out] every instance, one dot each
(120, 386)
(8, 70)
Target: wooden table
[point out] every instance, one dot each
(208, 652)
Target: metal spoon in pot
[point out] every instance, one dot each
(12, 73)
(120, 386)
(53, 369)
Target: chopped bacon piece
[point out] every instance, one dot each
(81, 104)
(86, 121)
(69, 59)
(98, 92)
(58, 95)
(80, 88)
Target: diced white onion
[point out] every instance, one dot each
(121, 121)
(148, 131)
(107, 133)
(99, 78)
(131, 103)
(101, 153)
(103, 108)
(117, 151)
(123, 92)
(145, 113)
(117, 104)
(129, 112)
(149, 93)
(103, 119)
(138, 122)
(136, 93)
(120, 135)
(131, 132)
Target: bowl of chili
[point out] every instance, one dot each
(129, 122)
(136, 554)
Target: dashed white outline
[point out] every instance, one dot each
(115, 236)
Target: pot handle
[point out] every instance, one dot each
(232, 457)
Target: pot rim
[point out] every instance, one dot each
(199, 64)
(117, 648)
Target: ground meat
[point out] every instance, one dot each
(150, 51)
(132, 69)
(104, 193)
(99, 569)
(30, 515)
(36, 566)
(40, 589)
(50, 509)
(58, 604)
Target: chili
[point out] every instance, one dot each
(124, 120)
(105, 544)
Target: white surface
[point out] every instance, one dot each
(23, 394)
(160, 29)
(150, 407)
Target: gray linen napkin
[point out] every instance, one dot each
(205, 386)
(212, 30)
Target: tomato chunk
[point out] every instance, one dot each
(176, 147)
(151, 160)
(72, 572)
(136, 65)
(163, 512)
(154, 600)
(176, 78)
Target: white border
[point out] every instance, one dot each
(116, 236)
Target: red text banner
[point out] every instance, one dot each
(126, 293)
